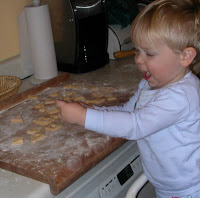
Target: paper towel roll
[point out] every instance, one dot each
(24, 44)
(41, 41)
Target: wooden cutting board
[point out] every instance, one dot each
(62, 156)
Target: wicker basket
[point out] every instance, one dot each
(9, 86)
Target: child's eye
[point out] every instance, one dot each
(149, 54)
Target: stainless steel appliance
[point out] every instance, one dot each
(111, 178)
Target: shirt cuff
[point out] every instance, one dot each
(94, 120)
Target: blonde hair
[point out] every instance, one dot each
(174, 22)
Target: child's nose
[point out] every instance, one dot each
(139, 59)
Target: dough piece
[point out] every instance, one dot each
(54, 94)
(67, 86)
(108, 89)
(42, 110)
(95, 101)
(39, 106)
(80, 98)
(43, 121)
(37, 137)
(33, 97)
(18, 119)
(98, 94)
(66, 98)
(69, 93)
(33, 131)
(91, 88)
(52, 109)
(47, 102)
(111, 98)
(54, 116)
(18, 140)
(76, 86)
(52, 127)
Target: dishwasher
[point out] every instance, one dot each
(111, 178)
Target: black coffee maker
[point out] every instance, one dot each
(82, 42)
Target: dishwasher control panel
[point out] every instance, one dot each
(115, 183)
(111, 178)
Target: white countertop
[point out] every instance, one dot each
(16, 186)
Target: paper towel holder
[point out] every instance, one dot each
(36, 2)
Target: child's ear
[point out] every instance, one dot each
(188, 56)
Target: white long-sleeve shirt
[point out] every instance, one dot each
(166, 124)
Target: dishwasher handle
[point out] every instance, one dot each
(136, 186)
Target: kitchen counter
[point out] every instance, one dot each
(121, 74)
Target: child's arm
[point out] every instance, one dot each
(73, 112)
(159, 113)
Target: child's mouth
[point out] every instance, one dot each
(147, 75)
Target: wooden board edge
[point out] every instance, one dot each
(57, 188)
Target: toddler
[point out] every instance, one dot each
(164, 114)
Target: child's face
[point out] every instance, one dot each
(160, 65)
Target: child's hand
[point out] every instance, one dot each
(73, 112)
